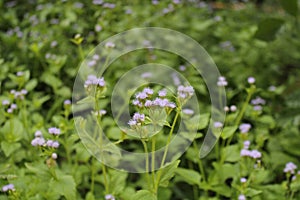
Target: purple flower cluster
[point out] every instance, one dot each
(39, 140)
(257, 103)
(109, 197)
(218, 124)
(137, 119)
(92, 80)
(11, 107)
(19, 94)
(245, 128)
(9, 187)
(54, 131)
(251, 80)
(252, 154)
(143, 99)
(242, 197)
(290, 167)
(222, 81)
(185, 92)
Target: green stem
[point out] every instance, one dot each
(146, 162)
(166, 150)
(153, 161)
(104, 171)
(93, 175)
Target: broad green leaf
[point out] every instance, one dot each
(252, 192)
(190, 176)
(13, 130)
(268, 28)
(9, 148)
(231, 153)
(144, 195)
(31, 84)
(117, 181)
(290, 6)
(167, 173)
(90, 196)
(65, 186)
(228, 131)
(204, 119)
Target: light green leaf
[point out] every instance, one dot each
(90, 196)
(190, 176)
(167, 173)
(231, 153)
(65, 186)
(228, 132)
(144, 195)
(9, 148)
(252, 192)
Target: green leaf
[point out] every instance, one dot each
(117, 181)
(65, 186)
(190, 176)
(290, 6)
(167, 173)
(13, 130)
(204, 119)
(31, 84)
(90, 196)
(9, 148)
(228, 132)
(252, 192)
(268, 28)
(144, 195)
(231, 153)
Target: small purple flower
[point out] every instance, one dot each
(55, 144)
(132, 122)
(247, 144)
(185, 92)
(138, 117)
(54, 156)
(141, 95)
(242, 197)
(92, 63)
(257, 108)
(67, 102)
(148, 91)
(171, 105)
(233, 108)
(243, 180)
(218, 124)
(258, 101)
(5, 102)
(244, 128)
(20, 73)
(188, 111)
(148, 103)
(49, 143)
(245, 152)
(109, 197)
(10, 110)
(222, 81)
(290, 167)
(251, 80)
(255, 154)
(38, 141)
(96, 57)
(54, 131)
(109, 5)
(97, 2)
(53, 44)
(8, 187)
(182, 68)
(162, 93)
(109, 45)
(38, 133)
(272, 88)
(146, 75)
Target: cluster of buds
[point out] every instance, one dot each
(245, 152)
(19, 94)
(257, 103)
(95, 86)
(10, 107)
(222, 82)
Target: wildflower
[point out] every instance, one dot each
(92, 63)
(246, 144)
(242, 197)
(243, 180)
(55, 144)
(38, 141)
(255, 154)
(138, 117)
(218, 124)
(185, 92)
(290, 167)
(100, 112)
(54, 131)
(109, 197)
(272, 88)
(148, 91)
(67, 102)
(188, 111)
(49, 143)
(176, 79)
(222, 81)
(53, 44)
(148, 103)
(109, 45)
(38, 134)
(244, 128)
(93, 80)
(233, 108)
(258, 101)
(96, 57)
(97, 2)
(54, 156)
(141, 95)
(245, 152)
(5, 102)
(8, 187)
(251, 80)
(182, 68)
(162, 93)
(257, 107)
(146, 75)
(132, 122)
(20, 73)
(109, 5)
(226, 108)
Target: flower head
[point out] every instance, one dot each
(242, 197)
(8, 187)
(290, 167)
(244, 128)
(251, 80)
(54, 131)
(222, 81)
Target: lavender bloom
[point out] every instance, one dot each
(290, 167)
(222, 81)
(53, 44)
(162, 93)
(8, 187)
(38, 133)
(97, 2)
(171, 105)
(182, 68)
(54, 131)
(251, 80)
(10, 110)
(109, 5)
(244, 128)
(258, 101)
(100, 112)
(146, 75)
(185, 92)
(242, 197)
(132, 122)
(96, 57)
(54, 156)
(188, 111)
(257, 108)
(218, 124)
(109, 45)
(148, 91)
(49, 143)
(5, 102)
(233, 108)
(93, 80)
(148, 103)
(272, 88)
(92, 63)
(109, 197)
(20, 73)
(243, 180)
(141, 95)
(138, 117)
(67, 102)
(247, 144)
(55, 144)
(245, 152)
(38, 141)
(255, 154)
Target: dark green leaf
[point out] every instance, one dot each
(268, 28)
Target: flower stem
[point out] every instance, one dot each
(146, 162)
